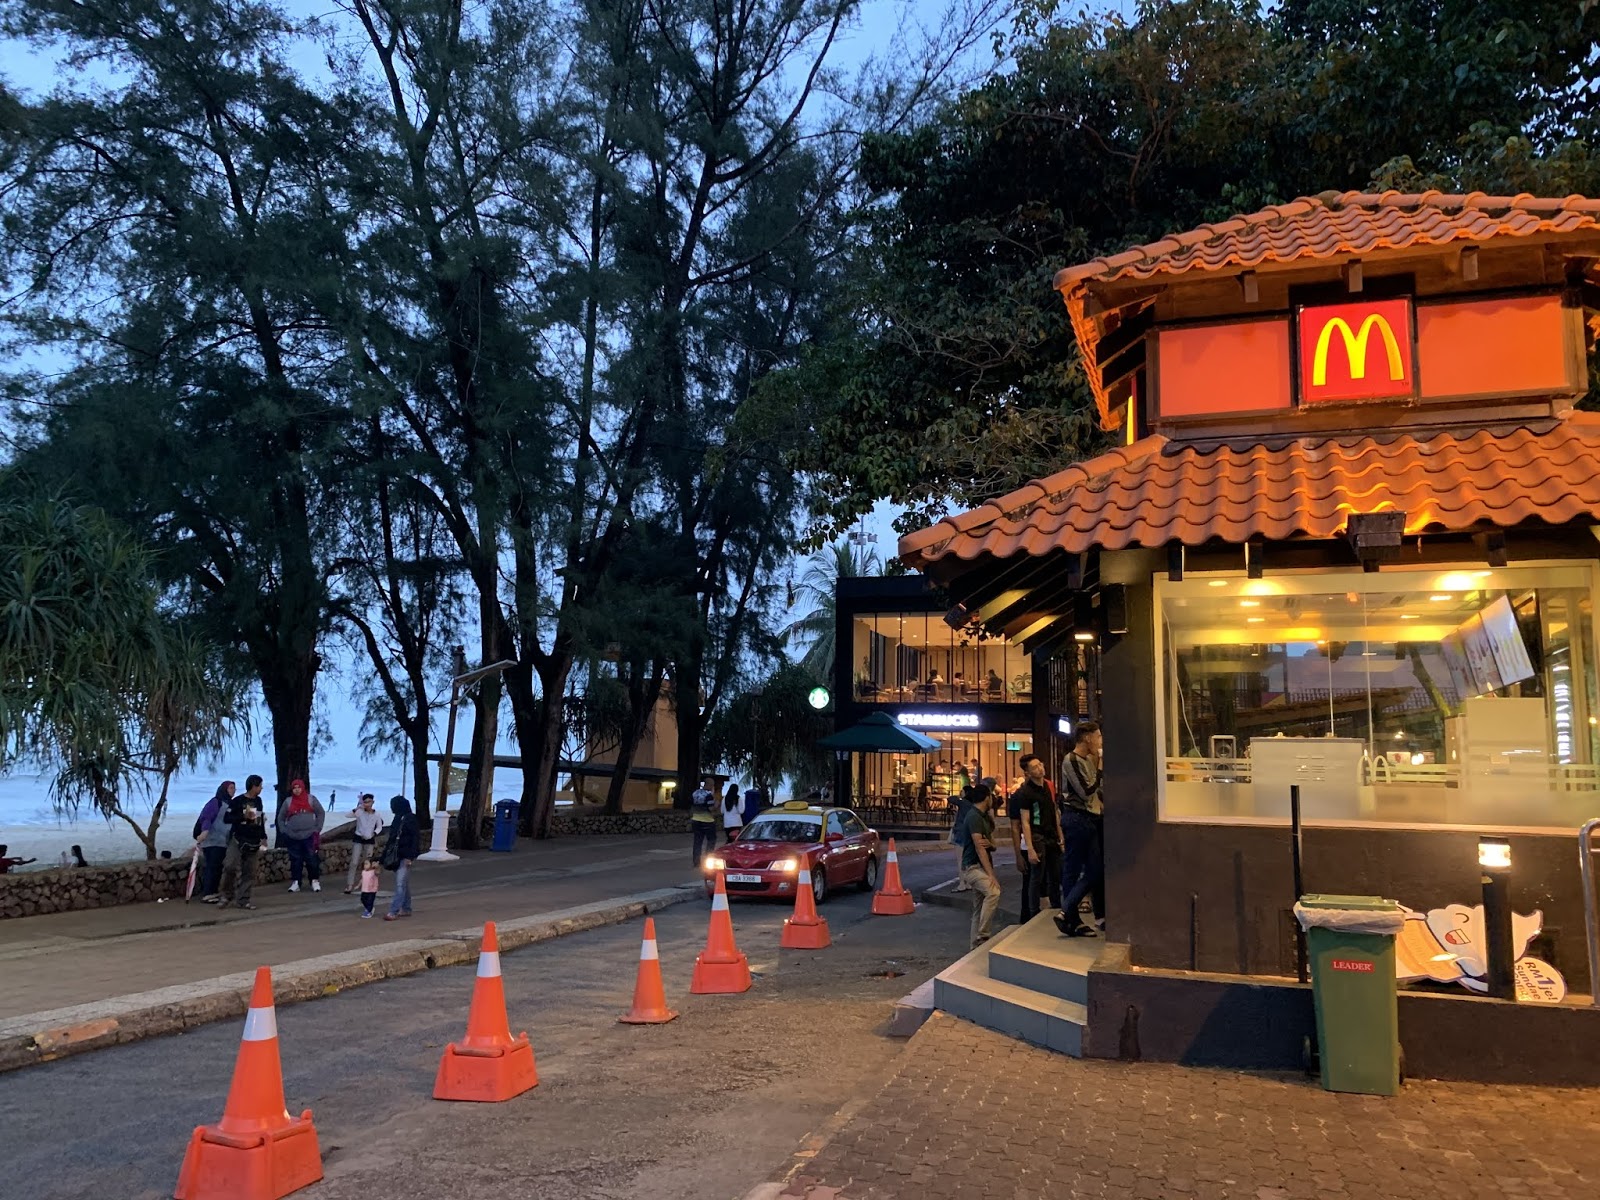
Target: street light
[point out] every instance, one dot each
(441, 819)
(1494, 861)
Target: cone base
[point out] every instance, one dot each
(893, 904)
(813, 936)
(486, 1077)
(222, 1166)
(720, 978)
(650, 1016)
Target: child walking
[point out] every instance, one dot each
(369, 887)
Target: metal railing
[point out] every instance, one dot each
(1555, 777)
(1591, 920)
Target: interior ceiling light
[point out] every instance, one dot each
(1408, 616)
(1249, 604)
(1255, 620)
(1441, 598)
(1219, 583)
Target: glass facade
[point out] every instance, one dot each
(931, 779)
(915, 658)
(1461, 697)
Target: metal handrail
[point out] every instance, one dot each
(1591, 920)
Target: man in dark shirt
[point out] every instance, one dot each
(977, 861)
(247, 830)
(1083, 853)
(1036, 838)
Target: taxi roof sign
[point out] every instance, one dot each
(796, 805)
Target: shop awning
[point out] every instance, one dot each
(1155, 493)
(881, 734)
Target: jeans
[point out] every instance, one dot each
(705, 839)
(1041, 881)
(368, 899)
(1083, 864)
(401, 904)
(211, 860)
(988, 901)
(238, 874)
(302, 857)
(359, 853)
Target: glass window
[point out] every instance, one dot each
(929, 780)
(915, 658)
(852, 824)
(1454, 697)
(782, 829)
(835, 825)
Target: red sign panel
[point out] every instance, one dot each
(1352, 352)
(1351, 964)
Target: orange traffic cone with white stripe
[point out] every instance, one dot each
(257, 1151)
(649, 997)
(892, 899)
(720, 969)
(805, 930)
(489, 1064)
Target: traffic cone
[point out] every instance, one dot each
(892, 899)
(649, 997)
(805, 930)
(257, 1151)
(720, 969)
(489, 1064)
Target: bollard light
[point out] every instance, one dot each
(1494, 863)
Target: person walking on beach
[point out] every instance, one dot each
(211, 835)
(300, 826)
(247, 830)
(369, 824)
(398, 854)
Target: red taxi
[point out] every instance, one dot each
(765, 859)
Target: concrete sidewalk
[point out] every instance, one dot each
(969, 1113)
(69, 959)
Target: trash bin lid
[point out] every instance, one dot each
(1359, 903)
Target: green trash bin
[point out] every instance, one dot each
(1350, 942)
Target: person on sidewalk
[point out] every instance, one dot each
(211, 835)
(399, 852)
(300, 827)
(977, 862)
(1082, 827)
(961, 803)
(732, 818)
(247, 830)
(703, 820)
(369, 824)
(1036, 838)
(369, 885)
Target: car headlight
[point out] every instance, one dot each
(787, 865)
(714, 862)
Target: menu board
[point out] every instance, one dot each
(1505, 642)
(1480, 655)
(1455, 657)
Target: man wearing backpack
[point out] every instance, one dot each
(703, 819)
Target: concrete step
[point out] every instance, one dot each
(965, 989)
(1037, 957)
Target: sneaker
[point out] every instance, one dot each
(250, 906)
(295, 886)
(211, 899)
(316, 885)
(390, 917)
(366, 916)
(223, 904)
(349, 891)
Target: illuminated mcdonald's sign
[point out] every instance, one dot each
(1351, 352)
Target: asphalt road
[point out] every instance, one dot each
(708, 1106)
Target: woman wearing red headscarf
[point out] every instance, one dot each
(300, 825)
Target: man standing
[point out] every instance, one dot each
(703, 819)
(977, 861)
(1082, 825)
(247, 829)
(1036, 838)
(364, 842)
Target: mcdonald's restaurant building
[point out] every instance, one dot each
(1348, 540)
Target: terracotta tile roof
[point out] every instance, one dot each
(1155, 492)
(1334, 224)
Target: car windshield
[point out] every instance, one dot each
(783, 829)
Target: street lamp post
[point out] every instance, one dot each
(1494, 861)
(439, 852)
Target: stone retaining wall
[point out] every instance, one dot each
(65, 889)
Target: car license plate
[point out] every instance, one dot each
(745, 879)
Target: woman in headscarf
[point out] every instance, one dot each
(398, 854)
(211, 835)
(300, 825)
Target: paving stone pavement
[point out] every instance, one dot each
(970, 1113)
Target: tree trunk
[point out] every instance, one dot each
(480, 765)
(691, 724)
(288, 685)
(421, 780)
(539, 739)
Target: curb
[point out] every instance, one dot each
(792, 1175)
(58, 1033)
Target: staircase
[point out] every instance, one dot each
(1029, 982)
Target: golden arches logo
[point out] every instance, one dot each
(1355, 348)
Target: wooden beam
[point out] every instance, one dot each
(1469, 263)
(1129, 333)
(1248, 288)
(1352, 275)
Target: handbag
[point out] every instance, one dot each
(391, 853)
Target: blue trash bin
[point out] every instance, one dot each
(505, 825)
